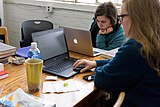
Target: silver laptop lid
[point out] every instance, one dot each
(79, 41)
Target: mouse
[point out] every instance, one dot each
(78, 68)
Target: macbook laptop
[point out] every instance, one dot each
(80, 41)
(54, 52)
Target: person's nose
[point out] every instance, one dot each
(100, 25)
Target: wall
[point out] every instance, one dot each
(16, 13)
(1, 11)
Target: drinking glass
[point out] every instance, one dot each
(34, 74)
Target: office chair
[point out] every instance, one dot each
(94, 29)
(31, 26)
(4, 35)
(119, 100)
(0, 22)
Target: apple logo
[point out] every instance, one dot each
(75, 41)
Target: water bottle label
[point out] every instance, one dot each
(36, 56)
(32, 54)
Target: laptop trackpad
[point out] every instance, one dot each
(68, 72)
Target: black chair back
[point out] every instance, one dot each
(31, 26)
(0, 22)
(94, 29)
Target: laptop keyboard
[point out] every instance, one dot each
(59, 67)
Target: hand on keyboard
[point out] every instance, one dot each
(77, 69)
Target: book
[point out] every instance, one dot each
(4, 60)
(3, 74)
(5, 49)
(7, 55)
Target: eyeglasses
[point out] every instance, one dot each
(122, 16)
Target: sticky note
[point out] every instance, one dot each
(51, 78)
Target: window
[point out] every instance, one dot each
(86, 1)
(91, 1)
(114, 1)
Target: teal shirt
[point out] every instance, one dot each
(112, 40)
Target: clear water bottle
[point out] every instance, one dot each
(34, 52)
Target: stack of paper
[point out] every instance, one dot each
(19, 98)
(60, 86)
(110, 54)
(6, 51)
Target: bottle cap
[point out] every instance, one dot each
(33, 45)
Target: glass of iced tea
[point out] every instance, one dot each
(34, 74)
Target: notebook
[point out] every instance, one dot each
(54, 52)
(80, 41)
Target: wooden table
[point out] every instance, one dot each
(88, 92)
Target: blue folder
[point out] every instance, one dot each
(22, 52)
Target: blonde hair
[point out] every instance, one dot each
(145, 28)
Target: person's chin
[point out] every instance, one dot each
(126, 34)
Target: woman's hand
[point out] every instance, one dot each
(88, 64)
(106, 31)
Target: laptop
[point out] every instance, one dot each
(54, 52)
(80, 41)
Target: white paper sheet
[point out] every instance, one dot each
(110, 54)
(60, 86)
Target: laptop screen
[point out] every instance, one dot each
(50, 42)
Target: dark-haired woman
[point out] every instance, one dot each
(106, 32)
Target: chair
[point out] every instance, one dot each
(0, 22)
(119, 100)
(94, 29)
(31, 26)
(4, 35)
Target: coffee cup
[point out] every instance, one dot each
(34, 73)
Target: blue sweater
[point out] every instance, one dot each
(111, 40)
(128, 71)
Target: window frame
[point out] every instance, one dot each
(96, 2)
